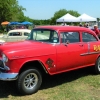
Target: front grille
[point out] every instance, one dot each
(1, 64)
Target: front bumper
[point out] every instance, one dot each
(4, 75)
(8, 76)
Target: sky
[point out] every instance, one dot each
(45, 9)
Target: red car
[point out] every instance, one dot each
(51, 50)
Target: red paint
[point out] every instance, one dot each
(64, 58)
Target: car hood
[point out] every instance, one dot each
(26, 49)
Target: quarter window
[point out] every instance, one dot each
(70, 37)
(26, 34)
(87, 37)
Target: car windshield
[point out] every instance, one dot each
(44, 35)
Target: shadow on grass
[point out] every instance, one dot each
(9, 88)
(55, 80)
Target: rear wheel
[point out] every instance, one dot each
(97, 66)
(29, 81)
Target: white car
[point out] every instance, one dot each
(15, 35)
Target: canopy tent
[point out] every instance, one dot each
(14, 23)
(67, 18)
(26, 23)
(5, 23)
(86, 18)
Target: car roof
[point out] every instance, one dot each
(58, 28)
(21, 30)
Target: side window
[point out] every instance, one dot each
(15, 34)
(26, 34)
(70, 37)
(87, 37)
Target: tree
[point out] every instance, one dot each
(10, 10)
(62, 12)
(57, 15)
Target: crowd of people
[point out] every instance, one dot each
(86, 25)
(8, 27)
(95, 28)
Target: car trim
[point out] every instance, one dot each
(8, 76)
(89, 53)
(88, 47)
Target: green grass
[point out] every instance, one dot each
(80, 84)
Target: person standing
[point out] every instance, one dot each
(80, 24)
(63, 24)
(96, 30)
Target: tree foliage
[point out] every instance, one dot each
(10, 10)
(62, 12)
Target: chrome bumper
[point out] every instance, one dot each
(8, 76)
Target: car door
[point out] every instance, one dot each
(13, 36)
(20, 35)
(91, 46)
(69, 51)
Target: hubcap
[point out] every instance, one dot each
(30, 81)
(99, 65)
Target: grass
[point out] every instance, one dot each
(80, 84)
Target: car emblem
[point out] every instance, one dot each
(49, 62)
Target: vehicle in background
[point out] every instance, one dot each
(15, 35)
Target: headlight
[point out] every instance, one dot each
(4, 58)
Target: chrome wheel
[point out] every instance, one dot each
(30, 81)
(99, 65)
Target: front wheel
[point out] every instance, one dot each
(97, 66)
(29, 81)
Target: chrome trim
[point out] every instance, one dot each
(43, 66)
(89, 53)
(88, 47)
(5, 67)
(2, 68)
(8, 76)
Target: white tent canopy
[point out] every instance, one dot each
(67, 18)
(86, 18)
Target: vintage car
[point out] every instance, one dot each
(51, 50)
(15, 35)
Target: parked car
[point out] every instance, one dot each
(15, 35)
(51, 50)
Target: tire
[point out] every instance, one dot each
(29, 81)
(97, 66)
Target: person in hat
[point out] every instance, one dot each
(80, 24)
(96, 30)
